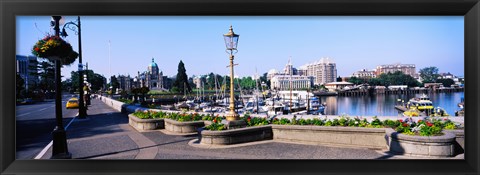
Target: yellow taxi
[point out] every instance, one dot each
(72, 103)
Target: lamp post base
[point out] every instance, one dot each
(60, 149)
(234, 124)
(232, 117)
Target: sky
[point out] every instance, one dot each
(265, 42)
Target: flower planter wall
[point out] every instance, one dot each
(233, 136)
(183, 127)
(330, 135)
(145, 124)
(434, 146)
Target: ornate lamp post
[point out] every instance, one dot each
(60, 149)
(231, 41)
(82, 112)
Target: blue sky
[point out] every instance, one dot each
(353, 42)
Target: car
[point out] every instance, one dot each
(72, 103)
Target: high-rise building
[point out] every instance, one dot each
(408, 69)
(323, 71)
(26, 68)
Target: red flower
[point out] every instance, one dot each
(214, 121)
(419, 121)
(445, 119)
(405, 124)
(400, 120)
(37, 49)
(248, 119)
(429, 124)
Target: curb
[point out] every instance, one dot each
(44, 150)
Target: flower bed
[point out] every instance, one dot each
(412, 145)
(234, 136)
(174, 122)
(331, 135)
(183, 127)
(145, 121)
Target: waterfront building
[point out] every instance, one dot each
(197, 80)
(26, 68)
(152, 78)
(364, 73)
(271, 73)
(323, 71)
(282, 82)
(447, 75)
(334, 86)
(125, 82)
(408, 69)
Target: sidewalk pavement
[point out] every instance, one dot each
(105, 134)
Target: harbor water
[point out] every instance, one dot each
(384, 105)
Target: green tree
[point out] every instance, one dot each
(114, 84)
(357, 81)
(47, 76)
(429, 74)
(20, 86)
(181, 81)
(397, 78)
(446, 82)
(96, 80)
(339, 79)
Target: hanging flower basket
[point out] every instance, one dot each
(55, 48)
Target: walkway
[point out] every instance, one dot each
(105, 134)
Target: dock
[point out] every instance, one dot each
(401, 108)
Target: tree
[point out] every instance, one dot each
(181, 82)
(114, 83)
(397, 78)
(446, 82)
(20, 86)
(357, 81)
(96, 80)
(339, 79)
(429, 74)
(47, 75)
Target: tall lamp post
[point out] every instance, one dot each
(82, 112)
(231, 41)
(60, 149)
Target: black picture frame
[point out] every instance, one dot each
(470, 9)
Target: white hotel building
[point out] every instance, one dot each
(289, 79)
(282, 82)
(323, 71)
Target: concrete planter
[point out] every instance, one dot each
(233, 136)
(183, 127)
(145, 124)
(434, 146)
(330, 135)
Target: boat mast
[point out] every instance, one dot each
(289, 63)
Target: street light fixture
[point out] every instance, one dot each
(82, 112)
(60, 148)
(231, 41)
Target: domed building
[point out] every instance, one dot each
(152, 78)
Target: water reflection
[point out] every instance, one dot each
(383, 105)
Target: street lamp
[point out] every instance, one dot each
(82, 112)
(231, 41)
(60, 149)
